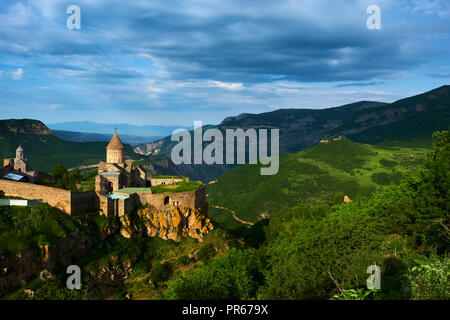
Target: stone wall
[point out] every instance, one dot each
(72, 203)
(83, 202)
(200, 198)
(76, 203)
(193, 199)
(106, 205)
(8, 162)
(57, 198)
(165, 201)
(156, 181)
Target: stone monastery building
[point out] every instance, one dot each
(119, 187)
(117, 173)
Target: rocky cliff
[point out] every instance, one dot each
(17, 269)
(176, 223)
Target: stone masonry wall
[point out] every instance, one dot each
(169, 181)
(193, 199)
(72, 203)
(83, 202)
(58, 198)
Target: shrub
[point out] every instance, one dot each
(206, 252)
(51, 289)
(306, 263)
(387, 163)
(431, 280)
(160, 272)
(184, 260)
(338, 198)
(234, 276)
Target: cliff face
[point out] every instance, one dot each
(175, 224)
(17, 269)
(25, 126)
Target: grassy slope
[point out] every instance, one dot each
(22, 228)
(309, 176)
(182, 186)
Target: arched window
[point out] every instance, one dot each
(109, 187)
(166, 200)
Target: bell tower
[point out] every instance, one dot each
(19, 153)
(114, 150)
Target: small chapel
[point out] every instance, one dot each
(16, 169)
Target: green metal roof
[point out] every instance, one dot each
(132, 190)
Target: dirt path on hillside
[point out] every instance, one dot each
(234, 215)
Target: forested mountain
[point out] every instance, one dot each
(407, 122)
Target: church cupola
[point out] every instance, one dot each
(114, 150)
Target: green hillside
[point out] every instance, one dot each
(44, 150)
(408, 122)
(308, 177)
(22, 228)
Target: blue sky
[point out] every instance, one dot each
(173, 62)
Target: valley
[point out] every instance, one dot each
(308, 177)
(408, 122)
(337, 204)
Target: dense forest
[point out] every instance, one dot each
(323, 252)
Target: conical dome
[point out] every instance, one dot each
(114, 150)
(115, 142)
(19, 148)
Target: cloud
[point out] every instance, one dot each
(228, 42)
(17, 74)
(359, 84)
(431, 7)
(55, 106)
(216, 57)
(212, 84)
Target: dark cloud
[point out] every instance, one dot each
(235, 41)
(217, 57)
(359, 84)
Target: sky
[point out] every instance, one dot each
(170, 62)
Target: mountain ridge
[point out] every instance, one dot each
(411, 120)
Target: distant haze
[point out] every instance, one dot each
(122, 128)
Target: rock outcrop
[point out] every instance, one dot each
(42, 261)
(106, 281)
(176, 223)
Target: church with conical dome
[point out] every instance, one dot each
(117, 173)
(120, 187)
(114, 150)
